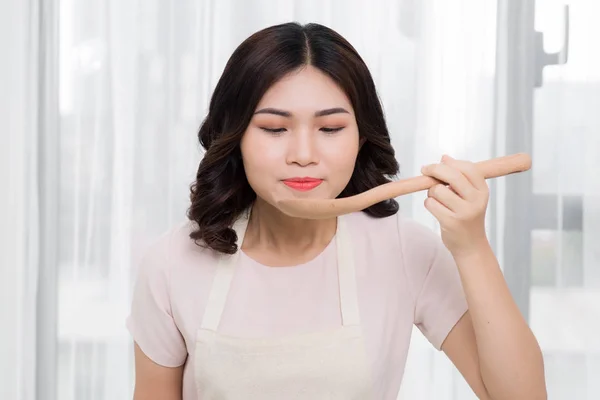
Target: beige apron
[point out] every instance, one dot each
(322, 365)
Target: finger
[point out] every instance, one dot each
(452, 176)
(437, 209)
(470, 170)
(446, 196)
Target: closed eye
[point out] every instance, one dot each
(332, 130)
(276, 130)
(281, 130)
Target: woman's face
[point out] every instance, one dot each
(302, 140)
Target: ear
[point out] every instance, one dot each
(361, 142)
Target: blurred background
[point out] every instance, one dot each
(100, 101)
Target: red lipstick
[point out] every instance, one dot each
(303, 184)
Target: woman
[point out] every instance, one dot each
(245, 302)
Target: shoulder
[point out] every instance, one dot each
(410, 234)
(411, 245)
(174, 250)
(420, 244)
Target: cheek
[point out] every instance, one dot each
(260, 159)
(260, 150)
(341, 158)
(343, 152)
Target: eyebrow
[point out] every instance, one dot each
(287, 114)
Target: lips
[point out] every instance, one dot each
(303, 184)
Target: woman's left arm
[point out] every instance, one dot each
(492, 345)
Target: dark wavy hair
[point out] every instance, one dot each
(221, 191)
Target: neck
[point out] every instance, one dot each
(270, 228)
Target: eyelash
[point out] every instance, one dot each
(279, 131)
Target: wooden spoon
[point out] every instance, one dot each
(329, 208)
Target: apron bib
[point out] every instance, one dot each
(322, 365)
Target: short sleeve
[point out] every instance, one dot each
(150, 321)
(435, 281)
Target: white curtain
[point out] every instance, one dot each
(19, 103)
(135, 80)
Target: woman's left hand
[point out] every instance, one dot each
(460, 206)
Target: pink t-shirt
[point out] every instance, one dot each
(405, 276)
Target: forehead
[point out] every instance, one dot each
(305, 90)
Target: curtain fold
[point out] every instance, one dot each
(19, 203)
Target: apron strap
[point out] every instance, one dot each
(222, 280)
(347, 275)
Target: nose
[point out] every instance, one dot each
(302, 149)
